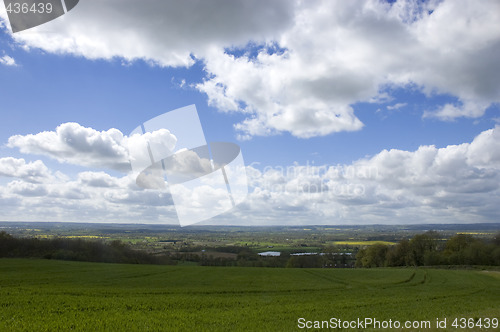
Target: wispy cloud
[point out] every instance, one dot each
(396, 106)
(7, 61)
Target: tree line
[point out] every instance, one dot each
(75, 250)
(428, 249)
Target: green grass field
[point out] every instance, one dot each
(43, 295)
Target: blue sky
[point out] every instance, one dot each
(318, 85)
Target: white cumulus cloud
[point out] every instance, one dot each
(78, 145)
(33, 172)
(452, 184)
(166, 33)
(456, 183)
(75, 144)
(298, 66)
(338, 54)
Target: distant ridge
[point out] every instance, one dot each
(153, 227)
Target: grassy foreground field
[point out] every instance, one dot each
(43, 295)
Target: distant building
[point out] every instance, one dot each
(270, 253)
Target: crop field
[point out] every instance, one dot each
(363, 243)
(45, 295)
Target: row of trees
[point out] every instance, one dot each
(429, 250)
(75, 250)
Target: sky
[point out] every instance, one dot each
(346, 112)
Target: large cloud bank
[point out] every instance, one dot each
(309, 62)
(457, 183)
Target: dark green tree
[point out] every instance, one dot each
(421, 245)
